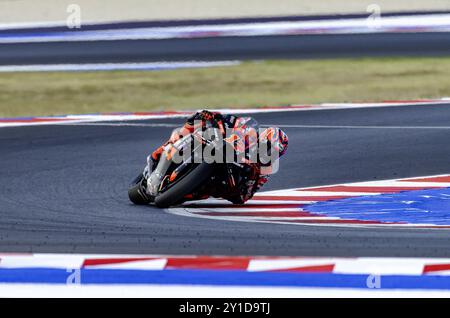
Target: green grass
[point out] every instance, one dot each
(247, 85)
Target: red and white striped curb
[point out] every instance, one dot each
(114, 117)
(335, 265)
(148, 66)
(285, 206)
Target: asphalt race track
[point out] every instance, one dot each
(64, 187)
(228, 48)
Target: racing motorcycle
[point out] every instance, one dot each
(175, 181)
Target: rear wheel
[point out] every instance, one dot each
(136, 192)
(186, 185)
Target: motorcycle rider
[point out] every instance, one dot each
(251, 177)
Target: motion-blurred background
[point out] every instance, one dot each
(28, 11)
(84, 56)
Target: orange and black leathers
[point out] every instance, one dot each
(189, 128)
(248, 180)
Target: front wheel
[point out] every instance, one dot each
(186, 185)
(136, 192)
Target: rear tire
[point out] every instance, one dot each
(136, 192)
(189, 183)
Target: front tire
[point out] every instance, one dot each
(189, 183)
(136, 193)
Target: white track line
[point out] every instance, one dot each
(351, 183)
(263, 125)
(119, 124)
(359, 127)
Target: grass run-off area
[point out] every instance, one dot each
(250, 84)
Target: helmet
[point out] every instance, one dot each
(277, 138)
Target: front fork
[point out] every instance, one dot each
(155, 177)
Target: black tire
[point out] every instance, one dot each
(136, 192)
(189, 183)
